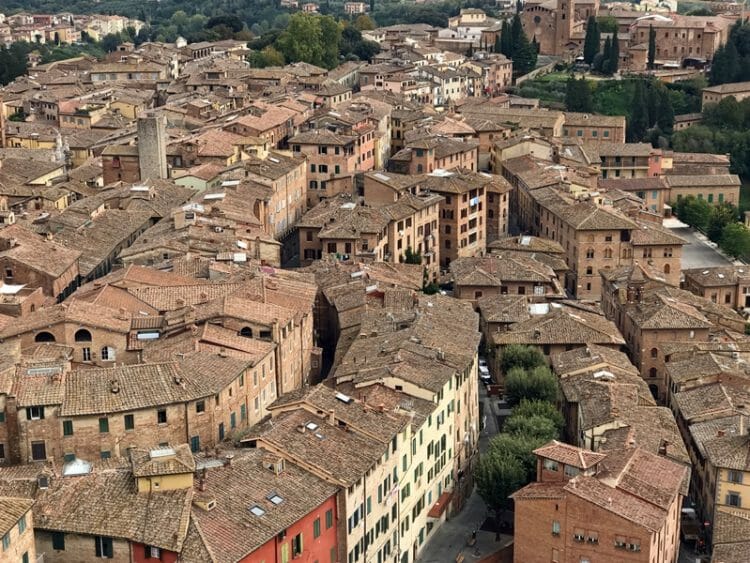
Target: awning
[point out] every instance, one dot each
(439, 507)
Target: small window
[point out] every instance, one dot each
(152, 552)
(67, 427)
(161, 416)
(35, 413)
(58, 541)
(105, 454)
(6, 541)
(316, 528)
(38, 451)
(297, 545)
(329, 519)
(103, 547)
(108, 353)
(555, 528)
(104, 425)
(129, 422)
(22, 524)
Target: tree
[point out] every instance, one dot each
(520, 447)
(364, 22)
(591, 41)
(638, 125)
(498, 474)
(735, 240)
(268, 56)
(720, 216)
(506, 39)
(694, 211)
(545, 409)
(726, 65)
(535, 427)
(665, 113)
(498, 48)
(520, 355)
(603, 65)
(613, 61)
(651, 46)
(538, 383)
(524, 57)
(411, 257)
(578, 95)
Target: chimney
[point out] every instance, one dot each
(741, 409)
(228, 460)
(381, 407)
(202, 484)
(720, 434)
(331, 417)
(301, 428)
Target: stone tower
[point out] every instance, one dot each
(152, 147)
(564, 20)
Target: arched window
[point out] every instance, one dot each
(654, 353)
(589, 271)
(108, 353)
(652, 372)
(44, 337)
(590, 253)
(667, 268)
(246, 331)
(608, 253)
(83, 335)
(420, 168)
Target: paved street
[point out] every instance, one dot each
(698, 254)
(450, 539)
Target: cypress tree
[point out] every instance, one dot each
(665, 114)
(614, 55)
(638, 126)
(506, 40)
(604, 59)
(498, 48)
(592, 40)
(651, 46)
(516, 33)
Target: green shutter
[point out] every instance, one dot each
(284, 553)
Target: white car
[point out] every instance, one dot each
(484, 374)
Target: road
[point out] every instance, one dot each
(450, 539)
(698, 254)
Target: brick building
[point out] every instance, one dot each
(35, 261)
(586, 505)
(200, 399)
(507, 273)
(728, 286)
(650, 312)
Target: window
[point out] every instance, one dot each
(654, 353)
(329, 518)
(200, 406)
(129, 422)
(590, 253)
(105, 454)
(82, 335)
(233, 420)
(152, 552)
(555, 528)
(734, 476)
(22, 524)
(297, 545)
(161, 416)
(6, 541)
(67, 427)
(58, 541)
(550, 465)
(38, 451)
(103, 547)
(734, 499)
(108, 353)
(104, 425)
(571, 471)
(316, 528)
(243, 412)
(86, 354)
(35, 413)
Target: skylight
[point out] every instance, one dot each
(257, 510)
(275, 498)
(311, 426)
